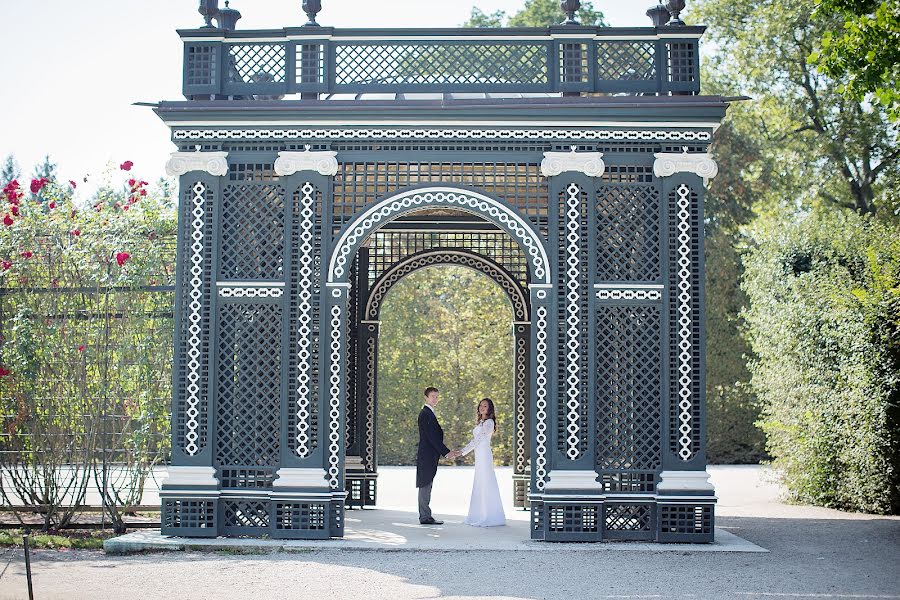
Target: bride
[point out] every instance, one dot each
(485, 507)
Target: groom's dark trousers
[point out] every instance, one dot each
(431, 449)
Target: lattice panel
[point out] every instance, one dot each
(200, 67)
(301, 516)
(386, 248)
(629, 481)
(518, 184)
(245, 513)
(246, 478)
(573, 63)
(626, 61)
(572, 346)
(310, 63)
(424, 64)
(685, 519)
(629, 388)
(681, 63)
(629, 517)
(684, 322)
(192, 355)
(256, 63)
(628, 233)
(248, 415)
(188, 514)
(573, 518)
(252, 240)
(305, 320)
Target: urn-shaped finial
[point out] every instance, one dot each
(209, 9)
(228, 18)
(659, 14)
(570, 7)
(675, 7)
(312, 8)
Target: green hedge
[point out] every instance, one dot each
(824, 324)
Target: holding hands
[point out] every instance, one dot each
(453, 454)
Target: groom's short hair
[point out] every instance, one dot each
(428, 390)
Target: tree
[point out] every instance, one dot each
(10, 171)
(842, 151)
(535, 13)
(864, 51)
(46, 169)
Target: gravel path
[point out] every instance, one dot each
(815, 553)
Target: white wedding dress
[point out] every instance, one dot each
(485, 507)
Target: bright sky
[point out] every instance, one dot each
(72, 69)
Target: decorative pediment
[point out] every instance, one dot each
(668, 164)
(214, 163)
(589, 163)
(323, 162)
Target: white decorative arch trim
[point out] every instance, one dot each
(472, 202)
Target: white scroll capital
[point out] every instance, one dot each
(214, 163)
(589, 163)
(323, 162)
(668, 164)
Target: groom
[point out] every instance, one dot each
(431, 449)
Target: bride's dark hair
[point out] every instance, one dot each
(491, 414)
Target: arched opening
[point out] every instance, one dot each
(451, 327)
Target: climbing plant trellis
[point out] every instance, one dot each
(567, 164)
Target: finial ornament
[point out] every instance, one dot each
(675, 7)
(570, 7)
(659, 15)
(312, 8)
(209, 9)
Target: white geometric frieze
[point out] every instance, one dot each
(214, 163)
(668, 164)
(589, 163)
(322, 162)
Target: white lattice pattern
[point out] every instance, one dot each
(304, 318)
(685, 400)
(370, 405)
(250, 292)
(629, 294)
(540, 461)
(445, 134)
(573, 317)
(195, 328)
(521, 385)
(483, 206)
(334, 400)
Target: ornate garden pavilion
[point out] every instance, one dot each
(319, 166)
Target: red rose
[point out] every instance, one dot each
(75, 232)
(6, 265)
(131, 182)
(81, 348)
(28, 254)
(4, 372)
(7, 220)
(126, 166)
(38, 184)
(14, 210)
(73, 184)
(122, 258)
(126, 207)
(143, 192)
(52, 204)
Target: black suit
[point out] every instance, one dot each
(431, 449)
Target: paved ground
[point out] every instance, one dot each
(814, 553)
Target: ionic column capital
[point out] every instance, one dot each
(589, 163)
(214, 163)
(323, 162)
(668, 164)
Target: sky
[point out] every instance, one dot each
(74, 69)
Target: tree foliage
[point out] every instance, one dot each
(824, 317)
(865, 50)
(451, 328)
(535, 13)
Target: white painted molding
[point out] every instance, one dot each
(589, 163)
(573, 480)
(668, 164)
(214, 163)
(322, 162)
(310, 478)
(684, 481)
(183, 476)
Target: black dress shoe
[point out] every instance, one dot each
(431, 521)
